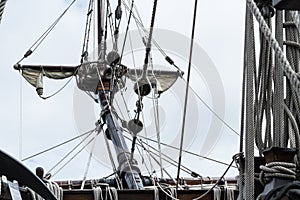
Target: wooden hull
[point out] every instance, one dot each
(143, 195)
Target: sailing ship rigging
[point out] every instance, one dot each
(2, 6)
(269, 110)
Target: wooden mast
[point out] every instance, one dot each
(128, 169)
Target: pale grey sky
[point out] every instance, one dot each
(46, 123)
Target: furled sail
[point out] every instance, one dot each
(34, 74)
(161, 78)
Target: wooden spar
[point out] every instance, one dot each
(50, 68)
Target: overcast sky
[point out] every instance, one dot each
(219, 34)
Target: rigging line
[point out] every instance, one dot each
(186, 92)
(213, 112)
(127, 28)
(111, 22)
(141, 154)
(141, 144)
(87, 29)
(38, 42)
(162, 189)
(148, 45)
(250, 106)
(208, 191)
(294, 125)
(167, 158)
(163, 169)
(71, 151)
(119, 182)
(139, 96)
(21, 120)
(133, 15)
(55, 146)
(157, 126)
(88, 163)
(74, 155)
(148, 48)
(185, 151)
(139, 25)
(138, 15)
(156, 117)
(59, 90)
(146, 133)
(119, 108)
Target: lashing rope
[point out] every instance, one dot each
(283, 170)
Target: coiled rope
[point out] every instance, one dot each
(296, 19)
(53, 187)
(282, 170)
(110, 193)
(289, 72)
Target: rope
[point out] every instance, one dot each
(88, 164)
(139, 25)
(97, 192)
(277, 170)
(53, 187)
(38, 42)
(127, 28)
(153, 157)
(114, 193)
(217, 193)
(59, 90)
(21, 121)
(187, 91)
(156, 193)
(148, 45)
(166, 159)
(172, 193)
(242, 128)
(87, 30)
(185, 151)
(170, 161)
(120, 185)
(134, 65)
(69, 153)
(296, 19)
(294, 138)
(229, 192)
(58, 145)
(111, 193)
(234, 158)
(292, 99)
(213, 112)
(278, 81)
(262, 98)
(157, 124)
(289, 72)
(249, 137)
